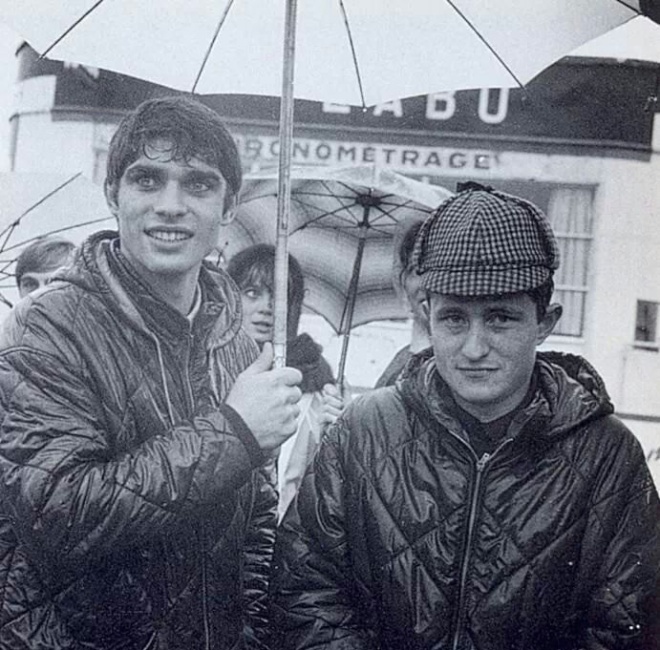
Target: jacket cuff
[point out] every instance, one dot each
(244, 434)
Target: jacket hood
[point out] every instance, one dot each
(568, 393)
(100, 268)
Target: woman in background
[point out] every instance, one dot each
(253, 270)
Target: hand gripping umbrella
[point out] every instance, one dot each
(359, 52)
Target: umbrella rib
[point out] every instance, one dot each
(221, 22)
(353, 54)
(333, 213)
(43, 199)
(71, 27)
(637, 12)
(55, 232)
(482, 38)
(391, 209)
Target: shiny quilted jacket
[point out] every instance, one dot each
(133, 513)
(403, 539)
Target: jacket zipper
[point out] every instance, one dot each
(465, 560)
(189, 391)
(202, 528)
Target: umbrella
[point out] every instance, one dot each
(342, 224)
(637, 39)
(346, 51)
(36, 205)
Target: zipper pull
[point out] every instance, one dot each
(481, 463)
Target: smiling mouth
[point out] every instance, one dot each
(169, 235)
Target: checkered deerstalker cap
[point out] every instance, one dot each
(482, 242)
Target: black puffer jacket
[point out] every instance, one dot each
(131, 512)
(401, 539)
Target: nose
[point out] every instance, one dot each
(265, 305)
(170, 201)
(475, 345)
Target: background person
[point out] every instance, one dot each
(490, 500)
(253, 270)
(136, 511)
(408, 285)
(38, 262)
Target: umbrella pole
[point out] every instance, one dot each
(347, 320)
(284, 188)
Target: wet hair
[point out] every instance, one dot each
(406, 249)
(195, 131)
(43, 255)
(255, 267)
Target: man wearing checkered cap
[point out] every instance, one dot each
(488, 501)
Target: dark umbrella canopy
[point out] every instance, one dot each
(342, 226)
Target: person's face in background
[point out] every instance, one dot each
(32, 281)
(258, 318)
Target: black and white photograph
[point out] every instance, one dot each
(329, 324)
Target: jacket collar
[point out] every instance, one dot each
(100, 266)
(569, 393)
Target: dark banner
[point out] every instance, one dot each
(579, 104)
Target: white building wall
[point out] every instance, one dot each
(46, 145)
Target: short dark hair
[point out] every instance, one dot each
(44, 254)
(406, 250)
(542, 295)
(195, 131)
(255, 267)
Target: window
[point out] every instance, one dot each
(570, 213)
(646, 323)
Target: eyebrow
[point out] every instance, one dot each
(191, 172)
(204, 175)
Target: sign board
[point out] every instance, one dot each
(576, 104)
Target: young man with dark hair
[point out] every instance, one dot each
(490, 500)
(38, 262)
(137, 418)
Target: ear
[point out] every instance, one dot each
(426, 309)
(548, 322)
(110, 190)
(229, 212)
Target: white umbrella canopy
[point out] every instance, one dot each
(347, 51)
(37, 205)
(638, 39)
